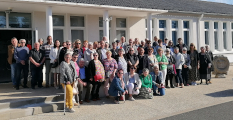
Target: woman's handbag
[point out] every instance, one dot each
(98, 77)
(54, 65)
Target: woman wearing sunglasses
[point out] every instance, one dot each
(133, 83)
(194, 57)
(67, 49)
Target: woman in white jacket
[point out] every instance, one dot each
(133, 82)
(54, 53)
(88, 54)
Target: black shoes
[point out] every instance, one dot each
(25, 86)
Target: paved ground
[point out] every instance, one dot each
(196, 100)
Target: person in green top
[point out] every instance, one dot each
(146, 88)
(162, 60)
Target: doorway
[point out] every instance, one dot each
(5, 40)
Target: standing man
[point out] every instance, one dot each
(132, 59)
(102, 51)
(41, 41)
(181, 45)
(155, 41)
(130, 45)
(37, 58)
(165, 42)
(21, 55)
(123, 43)
(11, 60)
(143, 60)
(47, 47)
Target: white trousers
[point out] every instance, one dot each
(164, 76)
(131, 90)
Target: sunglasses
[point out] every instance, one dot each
(95, 55)
(132, 68)
(68, 44)
(191, 45)
(23, 42)
(130, 50)
(78, 43)
(167, 51)
(148, 43)
(75, 57)
(121, 73)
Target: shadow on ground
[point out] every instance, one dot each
(225, 93)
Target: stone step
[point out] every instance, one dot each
(33, 109)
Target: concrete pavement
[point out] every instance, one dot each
(175, 102)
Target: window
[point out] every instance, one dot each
(58, 20)
(77, 34)
(186, 24)
(174, 24)
(224, 25)
(120, 33)
(121, 22)
(77, 21)
(58, 34)
(101, 22)
(225, 39)
(162, 35)
(206, 25)
(162, 23)
(216, 39)
(186, 37)
(215, 25)
(174, 37)
(20, 20)
(2, 20)
(207, 37)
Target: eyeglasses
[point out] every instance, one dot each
(95, 55)
(132, 68)
(121, 73)
(68, 44)
(78, 43)
(130, 50)
(148, 43)
(23, 42)
(167, 51)
(191, 45)
(75, 57)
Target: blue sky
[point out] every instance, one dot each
(222, 1)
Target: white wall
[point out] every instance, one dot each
(39, 22)
(137, 28)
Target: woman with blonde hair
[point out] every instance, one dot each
(85, 45)
(95, 45)
(194, 57)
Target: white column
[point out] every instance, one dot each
(229, 36)
(211, 36)
(180, 29)
(149, 26)
(191, 30)
(49, 21)
(220, 36)
(169, 29)
(67, 31)
(156, 27)
(106, 24)
(113, 29)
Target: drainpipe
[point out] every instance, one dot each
(199, 31)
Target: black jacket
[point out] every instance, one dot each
(145, 63)
(62, 54)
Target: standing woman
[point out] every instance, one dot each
(78, 49)
(88, 54)
(170, 46)
(67, 49)
(186, 65)
(194, 57)
(95, 45)
(205, 65)
(210, 55)
(85, 45)
(69, 75)
(54, 58)
(170, 68)
(152, 60)
(95, 68)
(162, 59)
(110, 67)
(122, 64)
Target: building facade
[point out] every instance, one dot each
(84, 20)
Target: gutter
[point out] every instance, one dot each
(189, 12)
(199, 31)
(93, 5)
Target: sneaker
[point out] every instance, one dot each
(187, 84)
(115, 101)
(81, 102)
(71, 110)
(195, 83)
(131, 99)
(76, 104)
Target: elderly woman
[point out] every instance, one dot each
(75, 86)
(85, 45)
(122, 64)
(179, 62)
(170, 68)
(133, 83)
(95, 45)
(107, 46)
(170, 46)
(68, 77)
(151, 59)
(96, 68)
(185, 66)
(162, 59)
(53, 55)
(146, 88)
(78, 49)
(205, 65)
(210, 55)
(110, 67)
(118, 87)
(67, 49)
(194, 57)
(88, 54)
(114, 50)
(157, 78)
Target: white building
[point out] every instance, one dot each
(195, 21)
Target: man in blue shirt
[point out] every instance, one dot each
(21, 56)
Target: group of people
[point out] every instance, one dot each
(137, 68)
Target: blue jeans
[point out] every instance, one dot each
(13, 73)
(19, 68)
(179, 78)
(154, 88)
(37, 76)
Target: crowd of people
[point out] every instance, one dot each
(137, 68)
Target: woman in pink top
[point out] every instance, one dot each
(75, 86)
(74, 59)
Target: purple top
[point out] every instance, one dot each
(110, 65)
